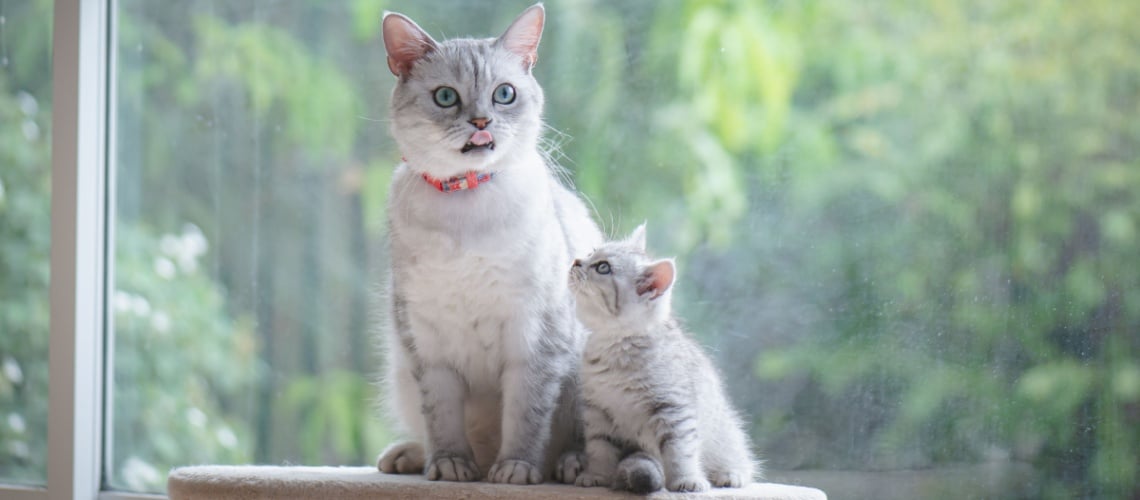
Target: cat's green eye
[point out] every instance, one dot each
(446, 97)
(504, 94)
(603, 267)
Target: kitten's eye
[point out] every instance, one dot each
(446, 97)
(603, 267)
(504, 94)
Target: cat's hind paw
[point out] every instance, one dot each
(570, 464)
(452, 467)
(514, 472)
(402, 458)
(590, 480)
(689, 484)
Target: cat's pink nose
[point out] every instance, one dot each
(480, 123)
(577, 263)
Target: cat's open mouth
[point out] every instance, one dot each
(470, 146)
(481, 139)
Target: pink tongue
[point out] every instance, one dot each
(481, 138)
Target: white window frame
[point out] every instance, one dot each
(80, 183)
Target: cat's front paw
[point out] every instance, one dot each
(402, 458)
(570, 464)
(514, 472)
(689, 484)
(592, 479)
(727, 479)
(448, 466)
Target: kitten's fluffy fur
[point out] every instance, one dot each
(484, 347)
(651, 397)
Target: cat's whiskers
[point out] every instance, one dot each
(377, 120)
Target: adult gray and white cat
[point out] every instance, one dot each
(651, 397)
(484, 348)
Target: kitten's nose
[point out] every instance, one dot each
(480, 123)
(577, 263)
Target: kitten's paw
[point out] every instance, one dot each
(402, 458)
(514, 472)
(640, 474)
(570, 464)
(448, 466)
(590, 480)
(725, 479)
(689, 484)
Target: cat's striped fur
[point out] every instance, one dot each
(653, 402)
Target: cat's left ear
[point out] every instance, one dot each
(656, 279)
(637, 238)
(522, 37)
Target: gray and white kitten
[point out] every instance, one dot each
(484, 348)
(651, 397)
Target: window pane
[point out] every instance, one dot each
(906, 231)
(25, 232)
(248, 183)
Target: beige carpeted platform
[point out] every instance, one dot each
(218, 482)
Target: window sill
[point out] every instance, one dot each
(234, 482)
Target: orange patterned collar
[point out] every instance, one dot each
(470, 180)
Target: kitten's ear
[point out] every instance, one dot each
(522, 37)
(656, 278)
(637, 238)
(405, 42)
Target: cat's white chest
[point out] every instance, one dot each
(620, 384)
(464, 304)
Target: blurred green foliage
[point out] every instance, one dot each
(25, 234)
(906, 229)
(180, 362)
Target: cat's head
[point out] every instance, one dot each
(463, 105)
(618, 285)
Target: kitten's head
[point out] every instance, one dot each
(462, 105)
(618, 285)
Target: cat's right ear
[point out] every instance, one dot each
(656, 279)
(405, 42)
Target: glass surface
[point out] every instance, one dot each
(25, 236)
(907, 232)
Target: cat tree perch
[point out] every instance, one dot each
(219, 482)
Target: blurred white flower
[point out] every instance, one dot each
(164, 268)
(139, 475)
(170, 244)
(121, 301)
(193, 245)
(196, 417)
(16, 423)
(28, 103)
(31, 130)
(194, 240)
(160, 321)
(226, 437)
(140, 306)
(12, 371)
(185, 249)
